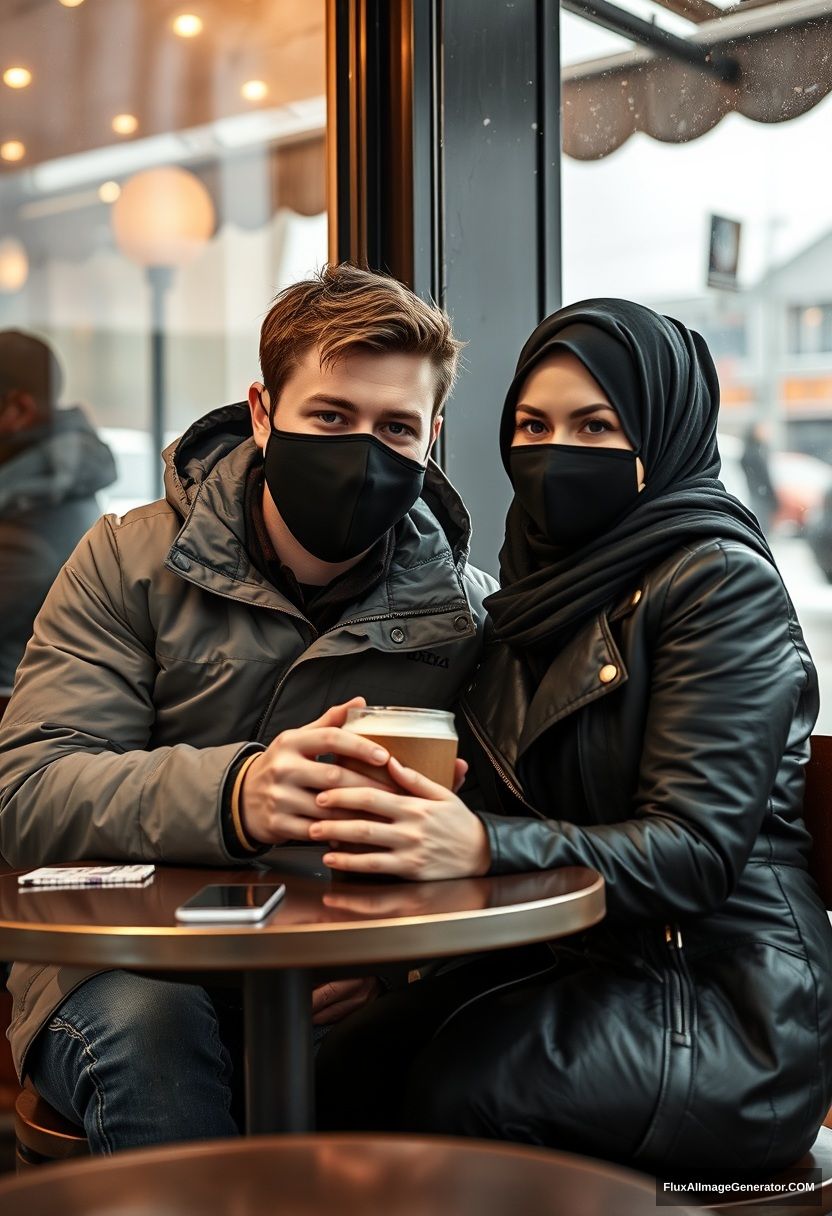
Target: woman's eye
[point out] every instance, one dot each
(533, 426)
(597, 426)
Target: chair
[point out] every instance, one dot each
(817, 813)
(8, 1077)
(818, 1157)
(42, 1134)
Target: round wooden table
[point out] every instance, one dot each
(322, 925)
(350, 1175)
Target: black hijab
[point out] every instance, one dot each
(661, 379)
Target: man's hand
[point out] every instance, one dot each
(335, 1000)
(423, 833)
(277, 801)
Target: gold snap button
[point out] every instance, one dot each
(634, 598)
(607, 673)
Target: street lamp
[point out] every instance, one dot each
(161, 221)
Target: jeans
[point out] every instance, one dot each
(136, 1061)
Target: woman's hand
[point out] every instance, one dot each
(423, 833)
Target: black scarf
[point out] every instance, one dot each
(662, 381)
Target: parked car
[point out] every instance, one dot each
(800, 483)
(819, 535)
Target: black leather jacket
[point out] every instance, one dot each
(664, 747)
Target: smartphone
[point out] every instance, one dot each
(236, 903)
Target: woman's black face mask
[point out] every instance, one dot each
(573, 493)
(339, 494)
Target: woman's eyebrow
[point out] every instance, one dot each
(578, 413)
(593, 409)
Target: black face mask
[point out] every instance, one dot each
(337, 495)
(573, 493)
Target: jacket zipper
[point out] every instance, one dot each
(358, 620)
(501, 772)
(680, 1030)
(394, 616)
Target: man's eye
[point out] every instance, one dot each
(328, 416)
(399, 429)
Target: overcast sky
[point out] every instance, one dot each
(636, 222)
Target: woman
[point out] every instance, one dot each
(645, 710)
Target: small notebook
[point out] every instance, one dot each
(87, 876)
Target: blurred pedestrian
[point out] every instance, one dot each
(756, 466)
(51, 465)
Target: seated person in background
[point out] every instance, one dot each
(649, 700)
(306, 548)
(51, 465)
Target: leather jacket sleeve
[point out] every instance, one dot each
(726, 678)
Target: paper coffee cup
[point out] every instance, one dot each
(421, 739)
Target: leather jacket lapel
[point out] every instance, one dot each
(504, 705)
(588, 668)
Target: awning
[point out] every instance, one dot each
(784, 54)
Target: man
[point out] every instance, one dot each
(196, 657)
(51, 465)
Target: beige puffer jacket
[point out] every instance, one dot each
(160, 653)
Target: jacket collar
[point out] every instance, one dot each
(205, 473)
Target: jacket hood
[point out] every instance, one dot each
(195, 456)
(64, 461)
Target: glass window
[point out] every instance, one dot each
(673, 154)
(162, 175)
(810, 329)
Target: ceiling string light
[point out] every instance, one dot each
(12, 149)
(17, 78)
(187, 25)
(125, 124)
(254, 90)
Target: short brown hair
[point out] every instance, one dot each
(344, 308)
